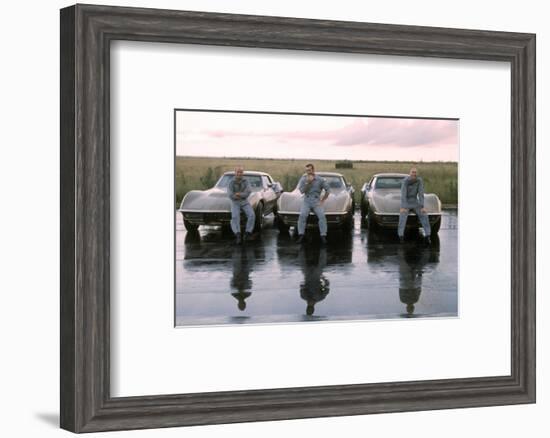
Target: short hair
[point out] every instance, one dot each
(310, 165)
(239, 166)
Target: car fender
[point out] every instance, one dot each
(189, 197)
(432, 204)
(254, 198)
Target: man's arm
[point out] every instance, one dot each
(327, 190)
(303, 185)
(245, 192)
(421, 192)
(230, 191)
(404, 193)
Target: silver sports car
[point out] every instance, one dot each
(339, 206)
(213, 206)
(381, 200)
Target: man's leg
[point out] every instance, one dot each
(320, 212)
(235, 217)
(302, 219)
(402, 223)
(423, 219)
(250, 217)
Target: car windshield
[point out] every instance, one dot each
(254, 180)
(393, 182)
(334, 182)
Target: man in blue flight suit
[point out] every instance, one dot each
(311, 186)
(239, 190)
(412, 198)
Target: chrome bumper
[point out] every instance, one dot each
(333, 219)
(392, 220)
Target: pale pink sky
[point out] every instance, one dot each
(217, 134)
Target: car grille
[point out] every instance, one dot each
(412, 220)
(206, 218)
(312, 219)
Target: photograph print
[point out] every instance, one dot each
(300, 218)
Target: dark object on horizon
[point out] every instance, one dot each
(343, 164)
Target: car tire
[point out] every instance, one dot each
(283, 228)
(348, 224)
(435, 227)
(275, 216)
(364, 210)
(372, 225)
(259, 218)
(192, 228)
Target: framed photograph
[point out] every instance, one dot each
(272, 218)
(246, 259)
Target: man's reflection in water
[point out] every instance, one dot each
(315, 287)
(241, 283)
(412, 264)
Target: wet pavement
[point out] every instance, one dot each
(356, 276)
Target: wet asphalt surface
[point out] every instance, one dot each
(356, 276)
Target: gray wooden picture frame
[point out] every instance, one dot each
(86, 33)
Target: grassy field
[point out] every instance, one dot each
(194, 173)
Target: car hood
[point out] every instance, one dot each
(389, 201)
(210, 200)
(291, 202)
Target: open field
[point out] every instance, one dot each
(200, 173)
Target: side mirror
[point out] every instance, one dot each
(277, 187)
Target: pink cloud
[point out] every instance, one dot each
(398, 132)
(369, 132)
(219, 133)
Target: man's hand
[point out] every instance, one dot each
(238, 195)
(423, 210)
(403, 210)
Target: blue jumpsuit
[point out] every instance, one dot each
(243, 188)
(312, 195)
(412, 198)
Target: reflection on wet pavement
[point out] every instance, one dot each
(272, 279)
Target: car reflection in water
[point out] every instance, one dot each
(413, 259)
(212, 252)
(317, 264)
(206, 250)
(356, 276)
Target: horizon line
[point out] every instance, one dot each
(318, 159)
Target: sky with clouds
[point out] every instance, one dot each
(223, 134)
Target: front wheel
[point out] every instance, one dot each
(283, 228)
(259, 218)
(364, 210)
(372, 225)
(189, 226)
(436, 226)
(349, 222)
